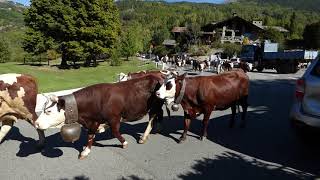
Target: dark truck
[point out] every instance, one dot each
(267, 56)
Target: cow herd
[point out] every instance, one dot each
(105, 105)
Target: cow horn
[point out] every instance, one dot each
(47, 101)
(165, 73)
(54, 98)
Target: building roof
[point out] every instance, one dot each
(169, 42)
(179, 29)
(239, 20)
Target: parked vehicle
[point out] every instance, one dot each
(306, 108)
(267, 56)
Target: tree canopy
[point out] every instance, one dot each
(312, 36)
(79, 29)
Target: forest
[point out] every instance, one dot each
(145, 24)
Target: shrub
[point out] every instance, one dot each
(5, 54)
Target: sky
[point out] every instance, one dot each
(27, 2)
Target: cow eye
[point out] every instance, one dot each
(47, 112)
(168, 86)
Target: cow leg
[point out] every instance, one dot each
(5, 128)
(205, 123)
(244, 105)
(187, 121)
(233, 115)
(146, 133)
(42, 139)
(87, 148)
(115, 128)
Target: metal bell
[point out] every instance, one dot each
(70, 132)
(175, 107)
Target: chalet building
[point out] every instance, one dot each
(234, 30)
(177, 31)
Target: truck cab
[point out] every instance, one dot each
(267, 56)
(251, 54)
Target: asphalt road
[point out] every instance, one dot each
(267, 148)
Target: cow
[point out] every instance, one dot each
(106, 103)
(161, 74)
(226, 66)
(18, 98)
(204, 94)
(200, 65)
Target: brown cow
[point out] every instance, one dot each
(106, 103)
(18, 97)
(204, 94)
(161, 74)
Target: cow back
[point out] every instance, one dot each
(216, 91)
(18, 93)
(129, 100)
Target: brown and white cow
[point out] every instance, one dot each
(18, 97)
(107, 104)
(204, 94)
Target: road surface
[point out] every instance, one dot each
(266, 149)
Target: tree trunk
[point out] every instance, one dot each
(64, 64)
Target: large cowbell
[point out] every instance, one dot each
(70, 132)
(175, 107)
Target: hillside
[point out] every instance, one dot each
(313, 5)
(11, 14)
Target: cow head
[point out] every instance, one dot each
(52, 114)
(167, 90)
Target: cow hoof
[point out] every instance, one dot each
(81, 157)
(141, 141)
(125, 145)
(181, 140)
(202, 138)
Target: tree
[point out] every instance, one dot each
(311, 36)
(4, 51)
(159, 35)
(129, 44)
(81, 29)
(273, 35)
(293, 26)
(231, 49)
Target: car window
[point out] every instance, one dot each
(316, 69)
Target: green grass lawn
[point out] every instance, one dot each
(52, 79)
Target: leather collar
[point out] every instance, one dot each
(182, 91)
(71, 108)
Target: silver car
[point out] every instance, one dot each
(305, 111)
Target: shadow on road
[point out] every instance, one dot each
(230, 166)
(82, 177)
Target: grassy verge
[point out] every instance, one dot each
(52, 79)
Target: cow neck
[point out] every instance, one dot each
(71, 109)
(181, 92)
